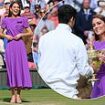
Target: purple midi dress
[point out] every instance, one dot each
(99, 86)
(18, 74)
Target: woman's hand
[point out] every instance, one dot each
(9, 37)
(101, 56)
(18, 36)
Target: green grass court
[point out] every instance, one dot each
(46, 97)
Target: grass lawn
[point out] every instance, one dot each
(46, 97)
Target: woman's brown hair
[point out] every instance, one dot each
(101, 17)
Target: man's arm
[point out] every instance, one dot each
(82, 60)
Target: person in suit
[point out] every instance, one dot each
(84, 20)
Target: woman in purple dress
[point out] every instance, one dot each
(18, 74)
(99, 29)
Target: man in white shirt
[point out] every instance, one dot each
(63, 56)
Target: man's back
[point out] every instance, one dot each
(58, 65)
(63, 55)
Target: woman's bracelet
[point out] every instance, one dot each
(3, 35)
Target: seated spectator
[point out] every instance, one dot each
(5, 8)
(2, 50)
(101, 7)
(29, 14)
(33, 3)
(53, 15)
(84, 20)
(37, 13)
(32, 22)
(45, 22)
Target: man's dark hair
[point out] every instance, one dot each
(65, 13)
